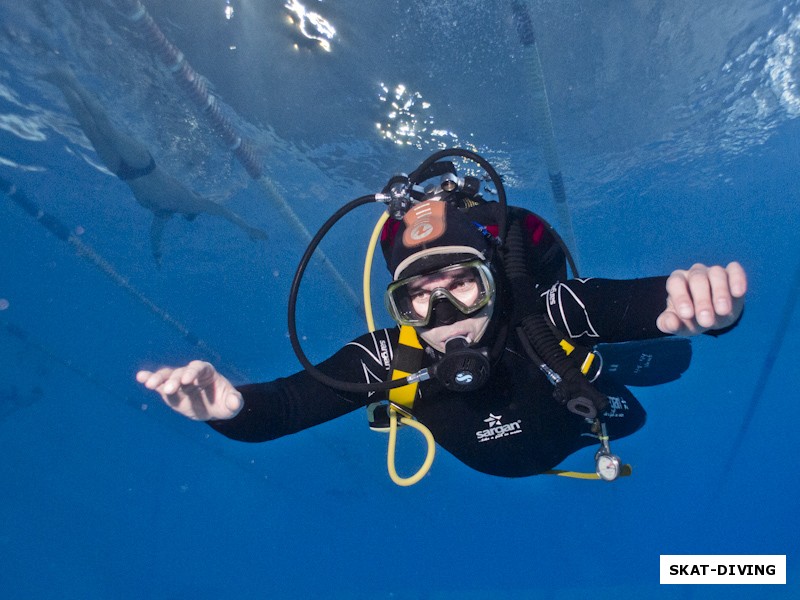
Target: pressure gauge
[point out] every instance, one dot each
(608, 466)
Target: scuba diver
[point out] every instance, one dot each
(494, 353)
(130, 160)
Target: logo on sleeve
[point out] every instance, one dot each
(496, 429)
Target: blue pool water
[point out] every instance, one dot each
(677, 135)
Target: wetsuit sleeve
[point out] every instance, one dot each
(291, 404)
(591, 311)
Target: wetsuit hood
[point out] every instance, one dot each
(431, 235)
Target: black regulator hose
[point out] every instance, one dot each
(573, 390)
(419, 175)
(344, 386)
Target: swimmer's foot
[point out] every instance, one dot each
(60, 77)
(257, 234)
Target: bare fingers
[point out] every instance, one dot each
(196, 390)
(738, 279)
(703, 298)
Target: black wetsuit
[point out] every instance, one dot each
(512, 426)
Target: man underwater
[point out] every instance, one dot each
(472, 300)
(129, 159)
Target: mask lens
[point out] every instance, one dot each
(467, 286)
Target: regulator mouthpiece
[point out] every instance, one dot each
(463, 369)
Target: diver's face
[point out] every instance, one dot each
(471, 328)
(461, 285)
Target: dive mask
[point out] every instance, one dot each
(467, 286)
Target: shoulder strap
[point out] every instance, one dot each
(407, 360)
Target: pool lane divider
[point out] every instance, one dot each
(196, 88)
(57, 227)
(543, 120)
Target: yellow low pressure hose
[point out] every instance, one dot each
(390, 463)
(373, 243)
(390, 459)
(627, 470)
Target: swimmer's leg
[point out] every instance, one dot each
(218, 210)
(114, 147)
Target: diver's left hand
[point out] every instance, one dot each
(703, 298)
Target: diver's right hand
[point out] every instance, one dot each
(196, 391)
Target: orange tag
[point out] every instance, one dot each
(425, 223)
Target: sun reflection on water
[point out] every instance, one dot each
(311, 25)
(409, 121)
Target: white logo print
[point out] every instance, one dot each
(616, 407)
(497, 430)
(492, 420)
(421, 231)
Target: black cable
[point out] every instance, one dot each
(345, 386)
